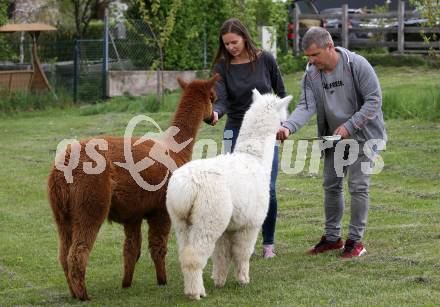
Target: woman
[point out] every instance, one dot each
(243, 67)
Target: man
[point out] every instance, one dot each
(343, 90)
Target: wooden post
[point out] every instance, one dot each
(39, 80)
(401, 27)
(344, 22)
(296, 29)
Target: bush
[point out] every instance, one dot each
(6, 49)
(289, 64)
(400, 60)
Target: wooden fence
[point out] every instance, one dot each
(400, 45)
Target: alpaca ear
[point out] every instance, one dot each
(256, 94)
(213, 80)
(284, 102)
(182, 83)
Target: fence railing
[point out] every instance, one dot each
(394, 37)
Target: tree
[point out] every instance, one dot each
(189, 34)
(429, 9)
(5, 50)
(83, 13)
(4, 12)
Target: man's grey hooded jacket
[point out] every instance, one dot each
(366, 123)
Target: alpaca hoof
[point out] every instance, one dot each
(162, 282)
(243, 280)
(72, 294)
(219, 283)
(83, 297)
(126, 284)
(194, 296)
(197, 294)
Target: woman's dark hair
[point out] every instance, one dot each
(234, 25)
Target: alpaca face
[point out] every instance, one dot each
(209, 106)
(212, 97)
(273, 102)
(202, 91)
(283, 108)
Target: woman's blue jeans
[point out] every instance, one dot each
(230, 135)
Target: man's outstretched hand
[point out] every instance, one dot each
(342, 131)
(283, 133)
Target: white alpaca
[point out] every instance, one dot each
(217, 205)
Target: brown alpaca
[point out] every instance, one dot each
(80, 207)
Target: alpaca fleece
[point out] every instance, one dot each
(217, 206)
(80, 208)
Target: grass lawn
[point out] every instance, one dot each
(401, 267)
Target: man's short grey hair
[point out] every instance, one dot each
(318, 36)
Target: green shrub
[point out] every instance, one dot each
(400, 60)
(152, 104)
(6, 52)
(367, 51)
(289, 64)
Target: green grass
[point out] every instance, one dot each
(401, 267)
(408, 92)
(29, 102)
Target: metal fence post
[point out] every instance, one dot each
(401, 27)
(344, 21)
(105, 56)
(76, 69)
(296, 29)
(205, 51)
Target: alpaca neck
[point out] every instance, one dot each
(257, 135)
(188, 121)
(262, 147)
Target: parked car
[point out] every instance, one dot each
(336, 23)
(415, 21)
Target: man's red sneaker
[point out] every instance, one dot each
(324, 246)
(353, 249)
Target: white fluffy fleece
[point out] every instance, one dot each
(217, 205)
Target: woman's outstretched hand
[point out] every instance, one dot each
(214, 118)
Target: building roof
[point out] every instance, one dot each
(26, 27)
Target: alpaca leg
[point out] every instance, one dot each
(83, 236)
(200, 245)
(243, 243)
(193, 258)
(206, 211)
(132, 250)
(191, 264)
(221, 260)
(159, 226)
(65, 241)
